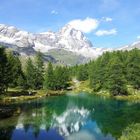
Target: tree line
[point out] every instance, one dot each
(10, 70)
(33, 75)
(113, 71)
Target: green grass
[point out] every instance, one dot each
(81, 86)
(16, 95)
(55, 92)
(133, 94)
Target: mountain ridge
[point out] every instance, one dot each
(69, 40)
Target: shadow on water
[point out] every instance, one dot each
(70, 117)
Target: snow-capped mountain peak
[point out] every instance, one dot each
(67, 38)
(69, 31)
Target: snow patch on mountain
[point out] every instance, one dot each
(40, 47)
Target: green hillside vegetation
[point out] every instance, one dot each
(117, 73)
(113, 73)
(32, 76)
(66, 58)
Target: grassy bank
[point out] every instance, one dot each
(17, 95)
(133, 95)
(83, 86)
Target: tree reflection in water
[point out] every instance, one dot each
(70, 117)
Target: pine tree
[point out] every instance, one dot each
(97, 72)
(49, 77)
(3, 76)
(94, 76)
(22, 82)
(82, 72)
(14, 69)
(61, 78)
(116, 83)
(39, 66)
(30, 73)
(133, 68)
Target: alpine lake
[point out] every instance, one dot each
(69, 117)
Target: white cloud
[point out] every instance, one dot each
(87, 25)
(107, 19)
(138, 37)
(106, 32)
(53, 12)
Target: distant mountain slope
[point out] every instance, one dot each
(131, 46)
(67, 57)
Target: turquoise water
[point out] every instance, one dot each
(81, 117)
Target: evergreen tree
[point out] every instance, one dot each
(39, 66)
(133, 68)
(94, 76)
(22, 82)
(3, 76)
(116, 79)
(98, 72)
(49, 77)
(61, 78)
(14, 69)
(30, 73)
(112, 71)
(82, 72)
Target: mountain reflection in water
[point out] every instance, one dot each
(71, 118)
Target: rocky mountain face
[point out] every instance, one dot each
(68, 39)
(67, 46)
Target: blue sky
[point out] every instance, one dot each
(107, 23)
